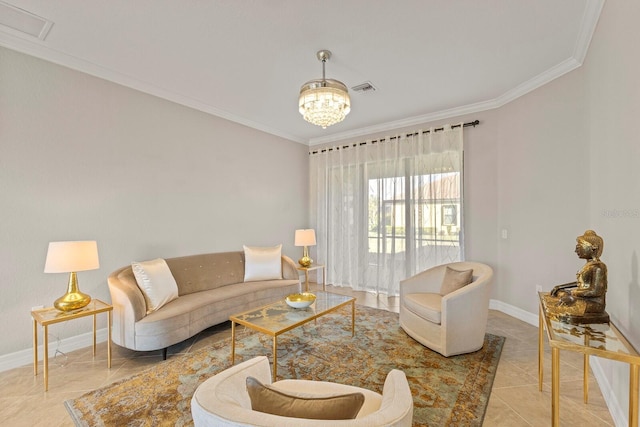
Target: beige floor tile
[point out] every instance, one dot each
(499, 414)
(515, 400)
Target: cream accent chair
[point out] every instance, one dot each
(223, 401)
(451, 324)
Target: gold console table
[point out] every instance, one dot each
(602, 340)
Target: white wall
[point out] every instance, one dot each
(543, 198)
(83, 158)
(613, 99)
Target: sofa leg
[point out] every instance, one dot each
(164, 353)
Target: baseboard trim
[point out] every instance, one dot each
(620, 417)
(516, 312)
(25, 357)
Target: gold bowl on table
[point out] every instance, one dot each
(302, 300)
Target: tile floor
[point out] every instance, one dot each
(515, 400)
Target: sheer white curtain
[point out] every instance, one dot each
(386, 210)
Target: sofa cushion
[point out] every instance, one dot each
(192, 313)
(262, 263)
(156, 283)
(271, 401)
(454, 280)
(195, 273)
(425, 305)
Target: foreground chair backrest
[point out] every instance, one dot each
(450, 324)
(223, 401)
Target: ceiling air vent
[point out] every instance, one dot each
(20, 22)
(366, 87)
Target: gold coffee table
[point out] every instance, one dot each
(277, 318)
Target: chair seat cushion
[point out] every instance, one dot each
(425, 305)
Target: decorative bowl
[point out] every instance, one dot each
(302, 300)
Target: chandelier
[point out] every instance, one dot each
(324, 102)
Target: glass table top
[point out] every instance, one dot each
(49, 315)
(278, 316)
(592, 338)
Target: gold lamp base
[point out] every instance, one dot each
(73, 299)
(305, 261)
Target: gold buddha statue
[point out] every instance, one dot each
(582, 301)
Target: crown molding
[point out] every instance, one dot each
(587, 28)
(410, 121)
(42, 52)
(511, 95)
(588, 25)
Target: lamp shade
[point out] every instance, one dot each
(305, 237)
(67, 257)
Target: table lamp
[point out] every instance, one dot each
(71, 257)
(305, 237)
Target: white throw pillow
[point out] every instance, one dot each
(262, 263)
(156, 283)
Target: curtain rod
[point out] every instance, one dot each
(473, 123)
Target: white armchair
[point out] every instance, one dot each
(451, 324)
(223, 400)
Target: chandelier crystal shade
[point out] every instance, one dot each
(324, 102)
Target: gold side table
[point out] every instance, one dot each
(49, 316)
(598, 339)
(312, 268)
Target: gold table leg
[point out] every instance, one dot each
(633, 394)
(540, 349)
(94, 335)
(109, 339)
(306, 280)
(35, 347)
(555, 387)
(353, 318)
(275, 357)
(46, 357)
(324, 278)
(233, 342)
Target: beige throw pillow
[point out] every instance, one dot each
(156, 283)
(454, 280)
(265, 399)
(262, 263)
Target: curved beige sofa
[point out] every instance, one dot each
(223, 401)
(211, 287)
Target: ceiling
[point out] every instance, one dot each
(245, 60)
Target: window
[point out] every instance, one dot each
(449, 215)
(388, 210)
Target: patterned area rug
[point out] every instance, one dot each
(450, 391)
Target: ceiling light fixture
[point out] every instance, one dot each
(324, 102)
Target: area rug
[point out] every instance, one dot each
(450, 391)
